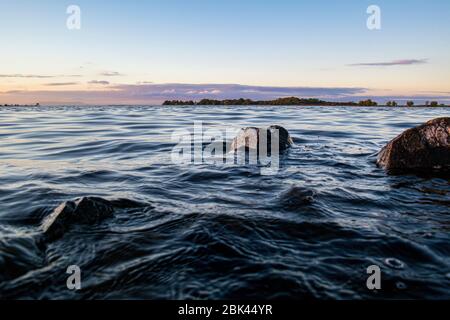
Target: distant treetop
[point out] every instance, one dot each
(288, 101)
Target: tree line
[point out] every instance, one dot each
(289, 101)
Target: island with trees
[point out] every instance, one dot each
(293, 101)
(19, 105)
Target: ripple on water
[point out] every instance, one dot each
(394, 263)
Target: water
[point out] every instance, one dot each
(219, 231)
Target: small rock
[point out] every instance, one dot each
(422, 148)
(297, 197)
(83, 211)
(249, 138)
(128, 204)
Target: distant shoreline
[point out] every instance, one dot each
(199, 105)
(281, 102)
(294, 101)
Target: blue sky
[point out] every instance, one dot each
(146, 51)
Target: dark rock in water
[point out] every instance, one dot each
(83, 211)
(128, 204)
(426, 147)
(249, 138)
(297, 197)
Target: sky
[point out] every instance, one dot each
(148, 51)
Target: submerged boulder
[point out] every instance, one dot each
(87, 210)
(249, 138)
(426, 147)
(297, 197)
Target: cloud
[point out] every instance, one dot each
(58, 84)
(404, 62)
(38, 76)
(150, 94)
(99, 82)
(157, 93)
(227, 91)
(13, 92)
(111, 74)
(144, 82)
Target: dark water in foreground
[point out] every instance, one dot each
(219, 232)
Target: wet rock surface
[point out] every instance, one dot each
(426, 147)
(22, 253)
(297, 197)
(250, 138)
(87, 210)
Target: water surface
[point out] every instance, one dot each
(219, 231)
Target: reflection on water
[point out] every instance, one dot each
(216, 231)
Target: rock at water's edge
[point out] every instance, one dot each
(249, 138)
(83, 211)
(424, 147)
(297, 197)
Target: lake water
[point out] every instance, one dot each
(219, 231)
